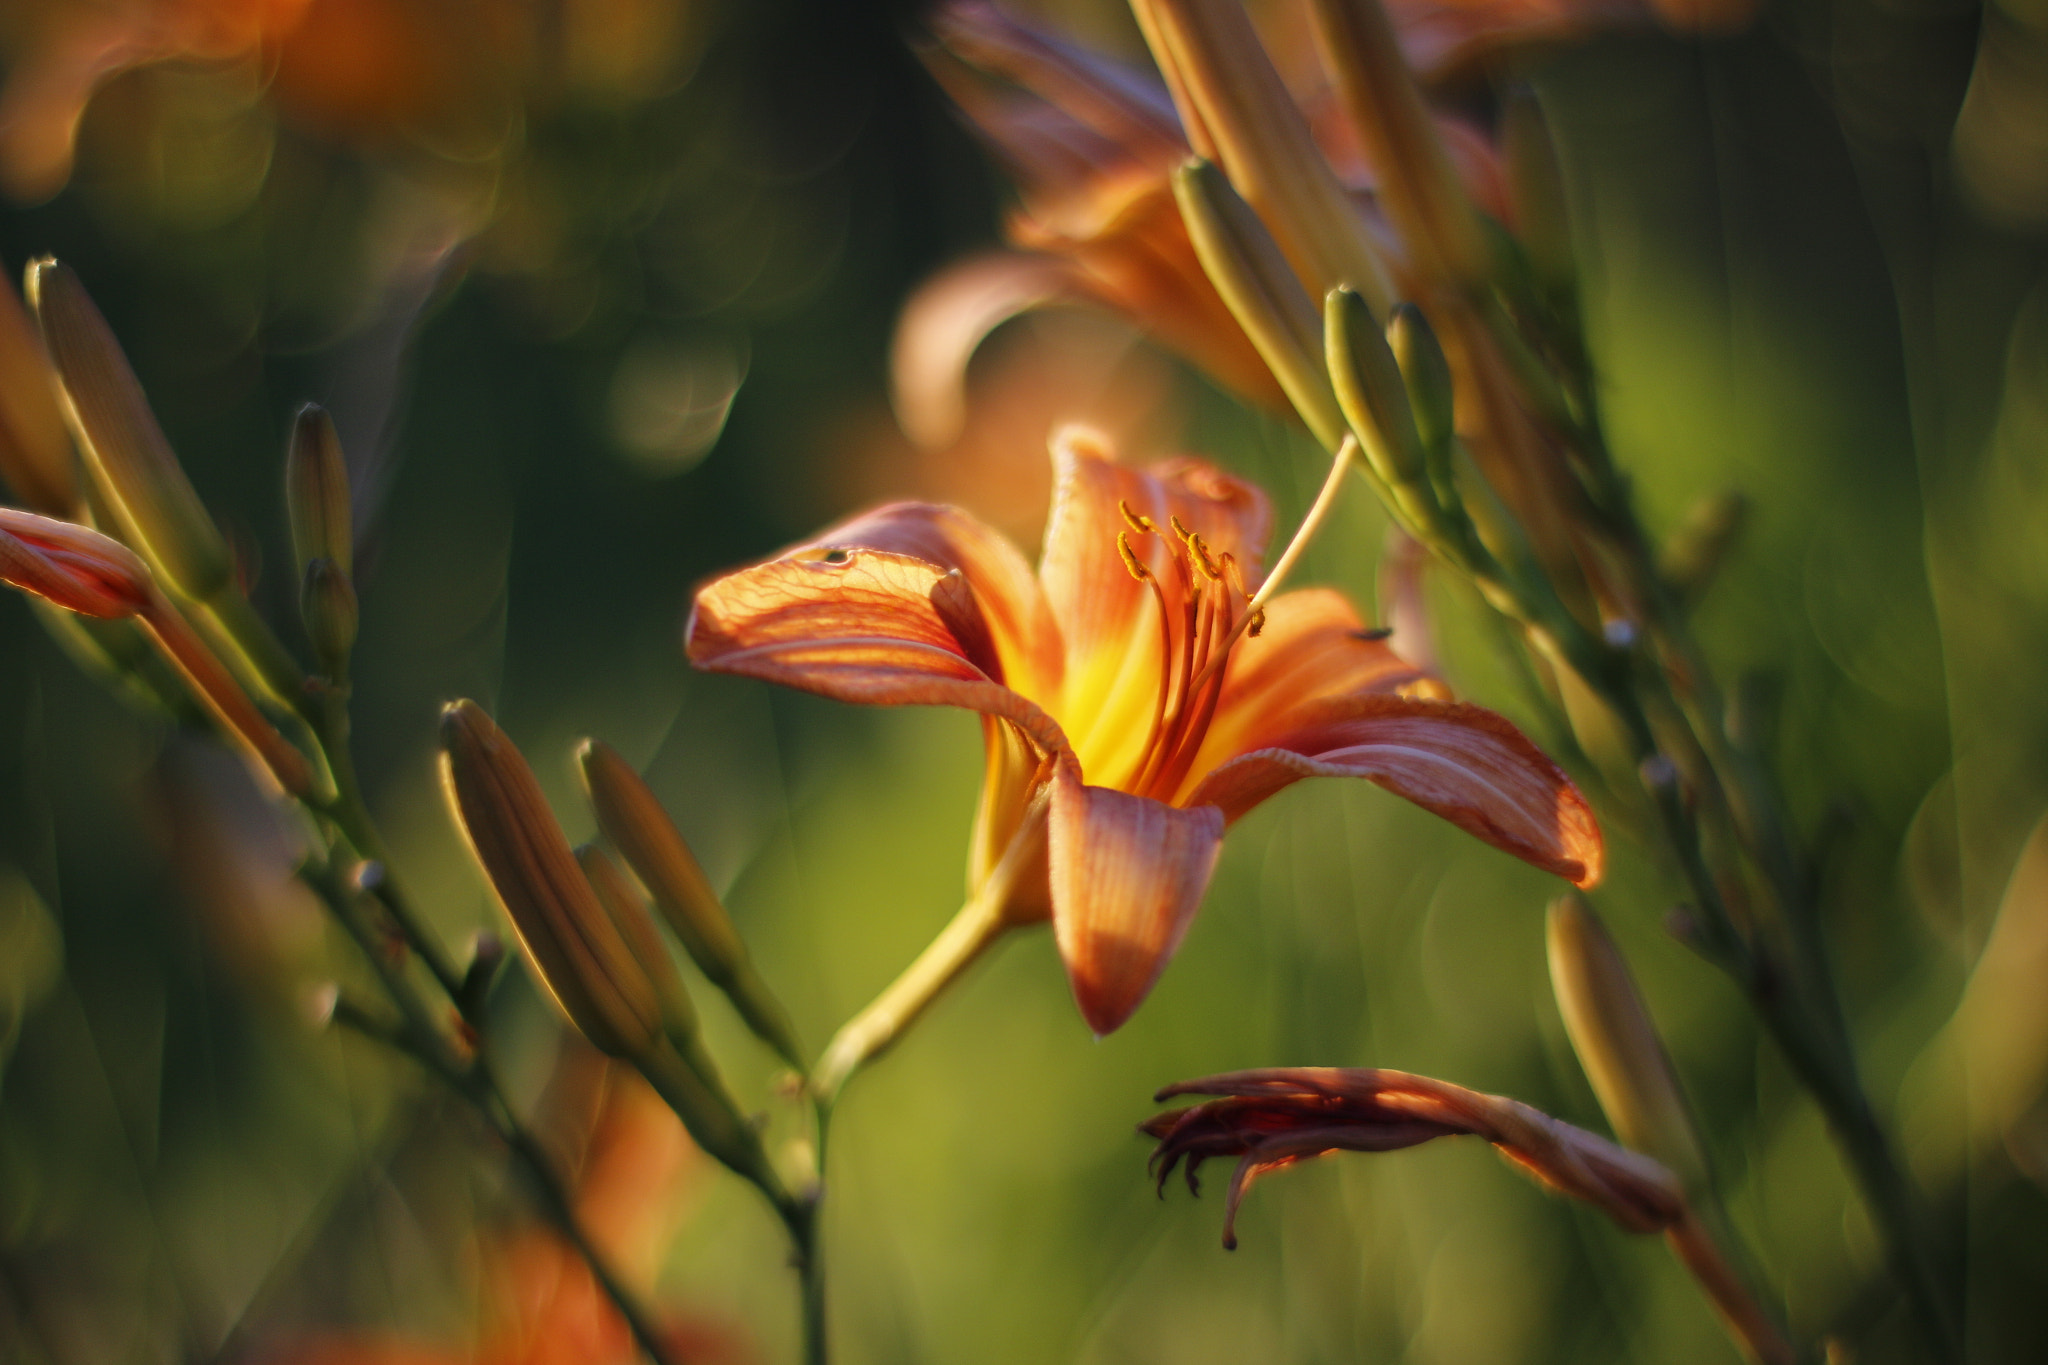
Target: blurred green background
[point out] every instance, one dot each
(601, 295)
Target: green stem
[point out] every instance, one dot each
(473, 1080)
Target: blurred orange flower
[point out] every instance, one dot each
(361, 71)
(1135, 704)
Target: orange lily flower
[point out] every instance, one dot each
(1136, 702)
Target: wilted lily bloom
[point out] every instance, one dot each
(1135, 704)
(1270, 1119)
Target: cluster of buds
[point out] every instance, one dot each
(1341, 248)
(122, 538)
(588, 932)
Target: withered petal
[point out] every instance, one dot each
(1461, 762)
(1127, 875)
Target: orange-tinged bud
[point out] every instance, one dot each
(1419, 185)
(35, 450)
(1238, 112)
(72, 566)
(633, 820)
(570, 941)
(1262, 292)
(316, 492)
(154, 504)
(1270, 1119)
(626, 905)
(1617, 1043)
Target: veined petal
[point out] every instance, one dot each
(1312, 648)
(1107, 617)
(858, 625)
(1127, 874)
(1461, 762)
(1016, 618)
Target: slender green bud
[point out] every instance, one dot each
(155, 507)
(327, 603)
(569, 940)
(1370, 390)
(637, 826)
(1694, 553)
(1427, 374)
(1618, 1044)
(708, 1110)
(1536, 186)
(1262, 292)
(486, 956)
(316, 492)
(626, 905)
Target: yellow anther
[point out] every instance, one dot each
(1131, 560)
(1142, 525)
(1199, 550)
(1183, 532)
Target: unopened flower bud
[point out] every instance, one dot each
(1374, 398)
(486, 956)
(316, 492)
(1262, 292)
(73, 566)
(1617, 1043)
(628, 908)
(1427, 373)
(569, 940)
(1536, 186)
(153, 503)
(36, 463)
(1238, 112)
(633, 820)
(1693, 554)
(327, 604)
(1419, 186)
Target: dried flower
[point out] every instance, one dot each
(1122, 698)
(1270, 1119)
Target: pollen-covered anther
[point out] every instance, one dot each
(1198, 551)
(1256, 624)
(1131, 560)
(1142, 525)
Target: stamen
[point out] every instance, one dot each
(1131, 560)
(1183, 532)
(1142, 525)
(1255, 622)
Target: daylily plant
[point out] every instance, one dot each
(1136, 704)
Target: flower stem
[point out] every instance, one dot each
(977, 925)
(472, 1079)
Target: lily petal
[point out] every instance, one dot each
(1016, 617)
(867, 626)
(1086, 584)
(1127, 874)
(1312, 649)
(1461, 762)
